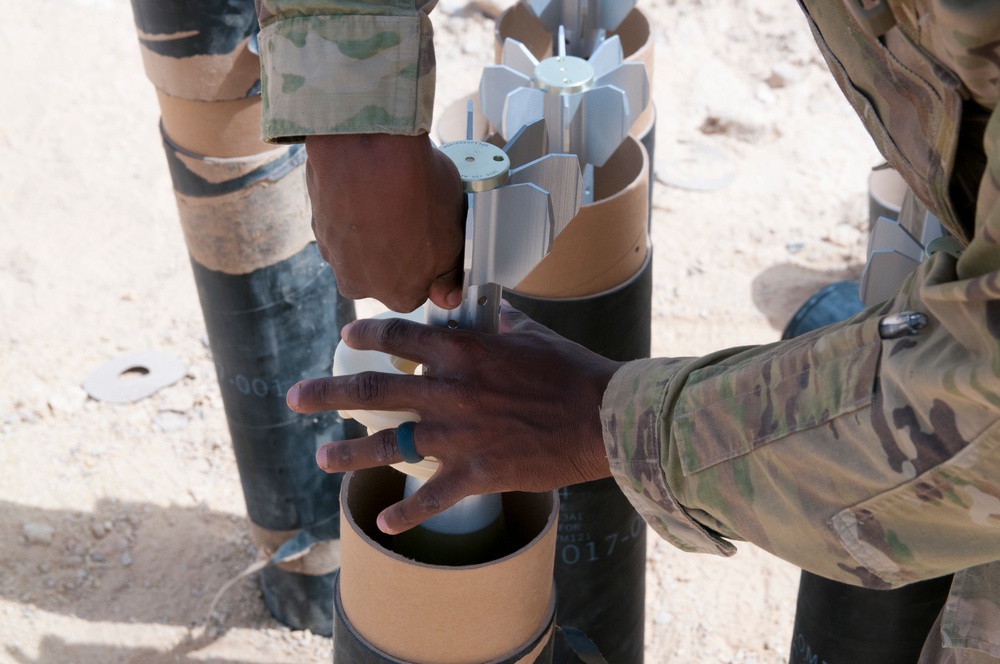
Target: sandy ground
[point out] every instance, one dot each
(118, 523)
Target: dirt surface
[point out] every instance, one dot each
(119, 522)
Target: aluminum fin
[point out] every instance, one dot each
(559, 175)
(605, 123)
(611, 14)
(517, 56)
(606, 57)
(497, 82)
(514, 248)
(630, 78)
(530, 142)
(521, 107)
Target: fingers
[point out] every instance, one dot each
(441, 491)
(420, 343)
(379, 449)
(368, 390)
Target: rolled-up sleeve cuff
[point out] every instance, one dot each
(632, 419)
(346, 74)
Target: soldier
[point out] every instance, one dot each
(867, 452)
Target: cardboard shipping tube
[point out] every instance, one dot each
(234, 75)
(216, 129)
(607, 242)
(241, 214)
(349, 647)
(429, 614)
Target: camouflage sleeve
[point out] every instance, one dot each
(869, 460)
(345, 67)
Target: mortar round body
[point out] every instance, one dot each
(607, 242)
(430, 614)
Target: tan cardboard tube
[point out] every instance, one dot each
(204, 77)
(239, 228)
(607, 242)
(635, 33)
(429, 614)
(217, 129)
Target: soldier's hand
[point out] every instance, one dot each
(387, 215)
(513, 411)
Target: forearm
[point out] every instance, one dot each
(870, 461)
(345, 67)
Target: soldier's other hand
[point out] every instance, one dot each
(513, 411)
(387, 215)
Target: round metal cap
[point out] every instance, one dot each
(564, 74)
(482, 166)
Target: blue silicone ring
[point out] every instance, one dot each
(404, 441)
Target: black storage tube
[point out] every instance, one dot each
(600, 569)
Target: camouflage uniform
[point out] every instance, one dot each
(345, 67)
(866, 460)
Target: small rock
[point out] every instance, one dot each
(97, 557)
(843, 235)
(74, 548)
(118, 543)
(98, 529)
(784, 74)
(68, 400)
(795, 247)
(126, 559)
(178, 400)
(169, 420)
(38, 533)
(736, 122)
(27, 415)
(765, 95)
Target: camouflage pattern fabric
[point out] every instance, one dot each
(870, 461)
(345, 67)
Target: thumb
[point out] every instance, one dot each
(446, 289)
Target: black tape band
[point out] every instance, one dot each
(349, 647)
(189, 183)
(184, 28)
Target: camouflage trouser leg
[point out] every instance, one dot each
(271, 307)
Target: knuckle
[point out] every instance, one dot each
(365, 387)
(390, 333)
(385, 449)
(429, 499)
(405, 515)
